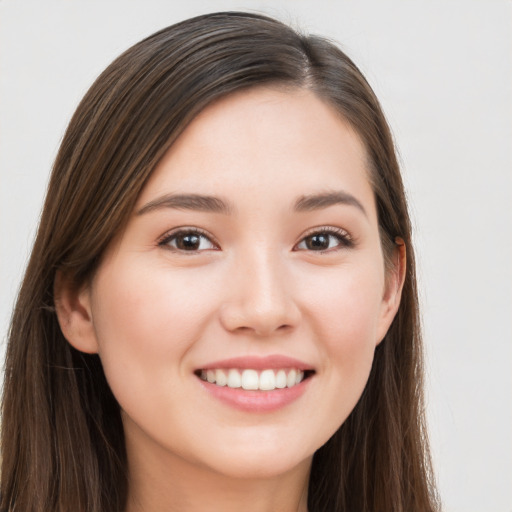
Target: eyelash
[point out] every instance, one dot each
(168, 237)
(344, 239)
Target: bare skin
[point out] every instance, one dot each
(284, 262)
(193, 489)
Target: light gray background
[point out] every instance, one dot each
(442, 70)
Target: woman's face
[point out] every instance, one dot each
(252, 258)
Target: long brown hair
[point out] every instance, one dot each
(62, 436)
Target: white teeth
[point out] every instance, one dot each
(234, 379)
(290, 379)
(281, 379)
(266, 380)
(250, 379)
(221, 379)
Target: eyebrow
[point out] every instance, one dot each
(212, 204)
(196, 202)
(324, 200)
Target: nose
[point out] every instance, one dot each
(260, 298)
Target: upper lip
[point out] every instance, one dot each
(275, 361)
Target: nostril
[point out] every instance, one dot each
(260, 312)
(267, 331)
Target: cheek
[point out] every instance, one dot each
(345, 313)
(145, 321)
(146, 306)
(346, 306)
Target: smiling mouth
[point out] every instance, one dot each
(254, 380)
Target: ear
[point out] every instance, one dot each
(73, 307)
(393, 291)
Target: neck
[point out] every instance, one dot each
(165, 482)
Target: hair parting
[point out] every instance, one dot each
(62, 436)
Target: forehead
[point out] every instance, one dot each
(279, 140)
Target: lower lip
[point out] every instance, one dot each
(256, 401)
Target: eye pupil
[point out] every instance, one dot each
(188, 242)
(318, 242)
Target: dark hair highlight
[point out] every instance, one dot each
(62, 436)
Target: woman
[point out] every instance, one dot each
(220, 309)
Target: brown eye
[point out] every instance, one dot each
(325, 240)
(188, 241)
(318, 242)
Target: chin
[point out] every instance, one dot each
(252, 467)
(261, 458)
